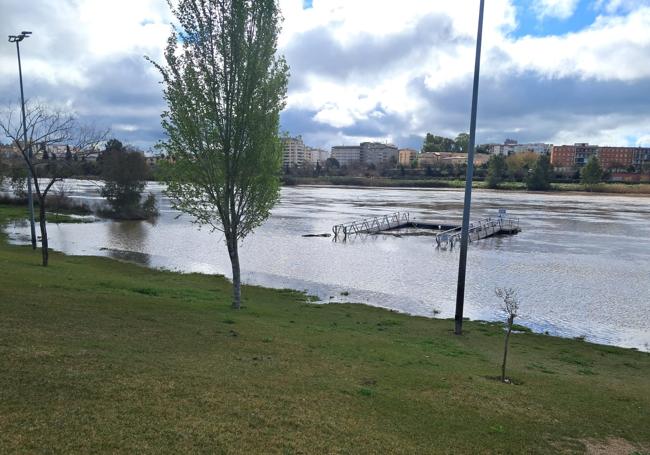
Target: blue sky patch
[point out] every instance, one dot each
(306, 4)
(529, 23)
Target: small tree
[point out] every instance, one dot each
(496, 171)
(539, 178)
(48, 127)
(592, 173)
(510, 308)
(225, 88)
(124, 173)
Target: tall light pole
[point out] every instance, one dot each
(462, 264)
(30, 199)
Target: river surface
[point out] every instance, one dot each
(581, 263)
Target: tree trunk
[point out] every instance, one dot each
(505, 350)
(42, 222)
(236, 275)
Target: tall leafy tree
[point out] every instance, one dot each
(496, 171)
(225, 87)
(519, 164)
(462, 142)
(592, 173)
(539, 178)
(434, 143)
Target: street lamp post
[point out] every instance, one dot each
(30, 199)
(462, 264)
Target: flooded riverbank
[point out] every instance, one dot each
(581, 262)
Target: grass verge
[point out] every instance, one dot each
(102, 356)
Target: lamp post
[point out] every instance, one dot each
(462, 263)
(30, 199)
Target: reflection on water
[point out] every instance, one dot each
(579, 259)
(129, 235)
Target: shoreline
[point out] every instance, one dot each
(536, 329)
(609, 189)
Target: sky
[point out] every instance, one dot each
(558, 71)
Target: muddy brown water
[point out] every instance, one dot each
(581, 262)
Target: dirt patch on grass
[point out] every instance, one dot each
(611, 446)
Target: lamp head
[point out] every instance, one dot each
(19, 38)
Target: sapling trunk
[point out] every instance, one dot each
(233, 251)
(43, 224)
(505, 349)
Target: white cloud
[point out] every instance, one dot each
(643, 141)
(560, 9)
(617, 6)
(613, 48)
(364, 68)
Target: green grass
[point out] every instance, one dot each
(18, 212)
(102, 356)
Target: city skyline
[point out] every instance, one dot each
(556, 71)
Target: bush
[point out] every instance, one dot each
(125, 173)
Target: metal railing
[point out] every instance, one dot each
(371, 225)
(478, 230)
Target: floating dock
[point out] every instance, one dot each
(374, 225)
(481, 229)
(449, 235)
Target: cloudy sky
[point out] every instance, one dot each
(559, 71)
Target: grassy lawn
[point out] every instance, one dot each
(102, 356)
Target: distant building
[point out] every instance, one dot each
(346, 154)
(563, 156)
(577, 155)
(378, 153)
(407, 156)
(366, 152)
(9, 152)
(584, 151)
(437, 158)
(642, 156)
(510, 147)
(314, 155)
(293, 151)
(616, 157)
(429, 158)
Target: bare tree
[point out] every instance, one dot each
(47, 127)
(510, 307)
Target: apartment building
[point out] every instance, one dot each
(437, 158)
(616, 157)
(563, 156)
(346, 154)
(577, 155)
(293, 151)
(407, 156)
(510, 147)
(315, 155)
(584, 151)
(378, 153)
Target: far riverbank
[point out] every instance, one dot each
(601, 188)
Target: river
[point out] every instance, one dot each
(581, 263)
